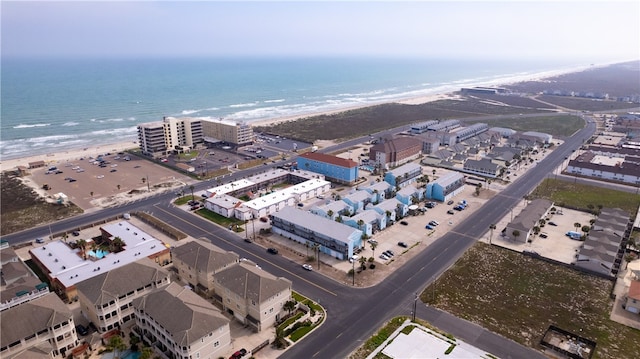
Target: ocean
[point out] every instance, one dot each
(52, 105)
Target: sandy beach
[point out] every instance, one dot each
(66, 155)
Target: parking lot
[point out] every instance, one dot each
(85, 183)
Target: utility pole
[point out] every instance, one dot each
(415, 306)
(353, 270)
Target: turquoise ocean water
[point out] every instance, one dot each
(49, 105)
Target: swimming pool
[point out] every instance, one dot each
(97, 253)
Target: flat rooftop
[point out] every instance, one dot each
(68, 266)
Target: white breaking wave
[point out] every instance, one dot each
(112, 120)
(189, 112)
(249, 104)
(272, 101)
(22, 125)
(115, 131)
(67, 124)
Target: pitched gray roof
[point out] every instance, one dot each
(204, 256)
(184, 314)
(107, 286)
(31, 317)
(530, 216)
(250, 282)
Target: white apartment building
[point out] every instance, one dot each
(182, 325)
(170, 135)
(106, 299)
(252, 295)
(230, 132)
(41, 328)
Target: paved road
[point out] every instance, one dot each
(354, 314)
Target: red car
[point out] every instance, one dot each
(239, 354)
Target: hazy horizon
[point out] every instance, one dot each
(585, 31)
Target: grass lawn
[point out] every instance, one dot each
(221, 220)
(586, 197)
(556, 125)
(519, 297)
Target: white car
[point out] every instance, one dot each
(307, 267)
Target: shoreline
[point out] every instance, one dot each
(77, 153)
(66, 156)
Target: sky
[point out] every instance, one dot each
(584, 30)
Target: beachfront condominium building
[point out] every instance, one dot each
(197, 262)
(228, 132)
(253, 296)
(106, 300)
(171, 135)
(41, 328)
(180, 324)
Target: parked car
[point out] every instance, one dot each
(75, 233)
(372, 241)
(428, 226)
(40, 240)
(264, 219)
(403, 245)
(450, 202)
(389, 253)
(272, 250)
(404, 223)
(239, 354)
(543, 235)
(552, 224)
(82, 330)
(434, 223)
(451, 212)
(383, 257)
(307, 267)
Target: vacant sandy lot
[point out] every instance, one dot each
(100, 186)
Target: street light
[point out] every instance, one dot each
(415, 306)
(353, 271)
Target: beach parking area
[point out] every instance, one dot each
(88, 185)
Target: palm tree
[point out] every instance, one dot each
(145, 353)
(144, 180)
(516, 234)
(577, 225)
(64, 237)
(191, 189)
(116, 344)
(360, 224)
(491, 228)
(117, 244)
(536, 229)
(585, 229)
(91, 193)
(373, 248)
(289, 306)
(316, 249)
(82, 244)
(118, 186)
(363, 262)
(330, 214)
